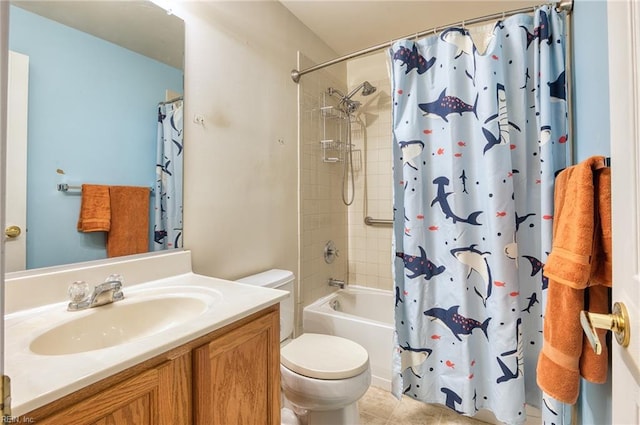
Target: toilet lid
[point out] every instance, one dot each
(324, 357)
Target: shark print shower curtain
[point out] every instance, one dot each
(478, 137)
(167, 227)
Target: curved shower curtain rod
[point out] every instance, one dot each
(566, 5)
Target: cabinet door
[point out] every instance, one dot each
(237, 376)
(159, 396)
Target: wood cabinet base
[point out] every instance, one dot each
(229, 376)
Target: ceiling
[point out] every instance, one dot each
(345, 25)
(351, 25)
(131, 24)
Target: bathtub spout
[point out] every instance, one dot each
(336, 282)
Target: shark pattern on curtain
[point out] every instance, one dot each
(167, 227)
(478, 137)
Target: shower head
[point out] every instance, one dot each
(366, 88)
(348, 105)
(351, 106)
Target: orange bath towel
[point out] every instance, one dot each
(129, 233)
(579, 272)
(95, 209)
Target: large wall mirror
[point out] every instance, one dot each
(89, 80)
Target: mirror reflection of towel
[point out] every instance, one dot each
(129, 232)
(95, 209)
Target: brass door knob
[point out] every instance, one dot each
(12, 232)
(618, 322)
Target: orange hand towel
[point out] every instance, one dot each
(579, 272)
(129, 232)
(95, 209)
(593, 367)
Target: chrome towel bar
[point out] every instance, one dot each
(64, 187)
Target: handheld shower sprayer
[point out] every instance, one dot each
(349, 107)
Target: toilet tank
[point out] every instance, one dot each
(277, 279)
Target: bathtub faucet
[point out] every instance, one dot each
(336, 282)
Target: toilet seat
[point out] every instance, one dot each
(324, 357)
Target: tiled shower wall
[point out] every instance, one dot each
(370, 253)
(365, 253)
(323, 216)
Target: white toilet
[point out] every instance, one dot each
(323, 376)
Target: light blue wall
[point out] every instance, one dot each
(92, 115)
(591, 125)
(591, 76)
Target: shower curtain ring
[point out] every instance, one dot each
(463, 26)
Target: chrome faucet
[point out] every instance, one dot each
(336, 282)
(104, 293)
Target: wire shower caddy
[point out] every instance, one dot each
(333, 129)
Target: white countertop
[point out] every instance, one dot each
(39, 379)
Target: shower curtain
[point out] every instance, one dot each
(169, 160)
(479, 134)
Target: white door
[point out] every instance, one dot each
(4, 33)
(16, 183)
(624, 85)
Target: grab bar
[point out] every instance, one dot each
(369, 221)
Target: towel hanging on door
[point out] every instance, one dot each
(579, 275)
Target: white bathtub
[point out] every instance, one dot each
(363, 315)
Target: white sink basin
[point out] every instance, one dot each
(118, 323)
(51, 352)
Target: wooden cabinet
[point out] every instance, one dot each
(230, 376)
(158, 396)
(237, 376)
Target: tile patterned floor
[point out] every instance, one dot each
(379, 407)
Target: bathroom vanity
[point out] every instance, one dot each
(228, 376)
(219, 365)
